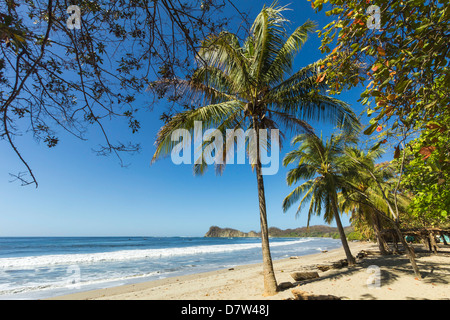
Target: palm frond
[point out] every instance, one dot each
(225, 114)
(283, 62)
(269, 38)
(301, 172)
(292, 123)
(224, 52)
(305, 190)
(302, 81)
(321, 108)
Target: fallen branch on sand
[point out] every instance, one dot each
(303, 295)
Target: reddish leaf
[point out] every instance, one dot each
(426, 151)
(321, 77)
(381, 51)
(432, 126)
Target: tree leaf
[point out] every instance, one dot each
(392, 96)
(375, 147)
(321, 77)
(370, 129)
(397, 152)
(426, 151)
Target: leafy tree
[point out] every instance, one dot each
(55, 77)
(363, 198)
(251, 86)
(404, 73)
(403, 63)
(318, 163)
(357, 164)
(371, 193)
(427, 173)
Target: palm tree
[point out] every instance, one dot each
(394, 202)
(252, 86)
(361, 196)
(318, 163)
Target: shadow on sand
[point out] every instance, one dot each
(392, 267)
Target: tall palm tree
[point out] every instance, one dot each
(318, 163)
(252, 86)
(394, 202)
(361, 196)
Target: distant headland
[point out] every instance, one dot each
(312, 231)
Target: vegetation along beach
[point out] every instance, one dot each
(224, 150)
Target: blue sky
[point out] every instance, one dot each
(82, 194)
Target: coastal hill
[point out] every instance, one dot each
(312, 231)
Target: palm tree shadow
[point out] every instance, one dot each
(392, 267)
(368, 296)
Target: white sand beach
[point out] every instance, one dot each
(394, 280)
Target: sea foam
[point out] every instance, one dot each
(124, 255)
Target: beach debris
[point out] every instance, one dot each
(335, 265)
(303, 295)
(340, 264)
(300, 276)
(363, 254)
(323, 267)
(285, 285)
(294, 257)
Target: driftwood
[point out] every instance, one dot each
(323, 267)
(362, 254)
(340, 264)
(302, 295)
(343, 263)
(285, 285)
(300, 276)
(335, 265)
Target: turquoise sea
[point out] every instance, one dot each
(42, 267)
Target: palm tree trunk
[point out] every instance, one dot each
(409, 250)
(270, 282)
(382, 245)
(350, 258)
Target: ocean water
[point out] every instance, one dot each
(43, 267)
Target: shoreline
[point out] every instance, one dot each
(245, 282)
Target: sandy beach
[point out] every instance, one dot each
(375, 277)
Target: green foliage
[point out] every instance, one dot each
(317, 164)
(355, 235)
(335, 235)
(404, 72)
(403, 65)
(427, 173)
